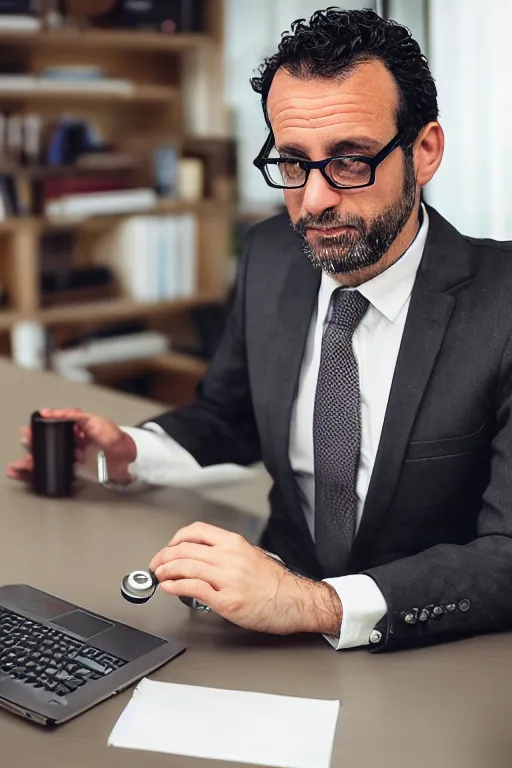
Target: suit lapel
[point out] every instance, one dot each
(445, 266)
(296, 310)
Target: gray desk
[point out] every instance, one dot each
(444, 707)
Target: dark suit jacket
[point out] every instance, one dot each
(436, 531)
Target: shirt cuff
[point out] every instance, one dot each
(160, 460)
(363, 607)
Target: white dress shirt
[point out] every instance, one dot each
(376, 342)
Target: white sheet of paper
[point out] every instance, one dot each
(257, 728)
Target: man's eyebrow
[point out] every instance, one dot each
(355, 146)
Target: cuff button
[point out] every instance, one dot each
(464, 605)
(424, 615)
(410, 618)
(450, 607)
(375, 636)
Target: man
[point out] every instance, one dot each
(367, 362)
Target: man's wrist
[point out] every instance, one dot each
(120, 456)
(322, 608)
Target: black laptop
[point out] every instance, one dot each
(58, 659)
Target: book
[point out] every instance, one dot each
(74, 363)
(81, 206)
(154, 258)
(38, 84)
(56, 188)
(19, 23)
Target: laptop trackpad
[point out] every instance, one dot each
(83, 624)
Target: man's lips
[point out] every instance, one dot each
(329, 231)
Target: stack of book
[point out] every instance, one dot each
(18, 16)
(153, 258)
(76, 199)
(74, 363)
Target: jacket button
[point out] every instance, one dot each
(464, 605)
(424, 615)
(410, 618)
(437, 611)
(375, 636)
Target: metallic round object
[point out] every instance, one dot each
(138, 586)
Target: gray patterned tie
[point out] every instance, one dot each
(337, 434)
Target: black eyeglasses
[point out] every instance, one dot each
(343, 172)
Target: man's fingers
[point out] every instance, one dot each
(87, 425)
(26, 437)
(75, 414)
(177, 570)
(192, 588)
(185, 551)
(24, 464)
(21, 469)
(202, 533)
(15, 474)
(79, 433)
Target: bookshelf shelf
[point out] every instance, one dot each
(172, 362)
(101, 222)
(98, 223)
(114, 309)
(41, 172)
(109, 40)
(108, 310)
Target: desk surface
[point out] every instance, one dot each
(448, 707)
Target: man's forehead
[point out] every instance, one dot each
(365, 97)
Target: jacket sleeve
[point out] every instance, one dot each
(449, 591)
(219, 426)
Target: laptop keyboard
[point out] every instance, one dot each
(44, 657)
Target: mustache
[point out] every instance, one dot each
(329, 219)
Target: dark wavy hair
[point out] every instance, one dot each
(334, 42)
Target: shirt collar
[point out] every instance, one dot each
(389, 291)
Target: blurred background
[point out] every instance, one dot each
(127, 134)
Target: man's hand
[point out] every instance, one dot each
(243, 584)
(93, 433)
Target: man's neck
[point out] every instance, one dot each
(395, 252)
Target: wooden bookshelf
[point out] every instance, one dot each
(101, 222)
(172, 362)
(166, 72)
(141, 94)
(106, 40)
(111, 310)
(169, 372)
(8, 319)
(102, 311)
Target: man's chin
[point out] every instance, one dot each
(338, 265)
(334, 265)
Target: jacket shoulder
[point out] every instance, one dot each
(489, 244)
(273, 244)
(276, 227)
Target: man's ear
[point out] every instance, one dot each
(428, 152)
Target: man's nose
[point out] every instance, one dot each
(319, 195)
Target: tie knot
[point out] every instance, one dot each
(348, 308)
